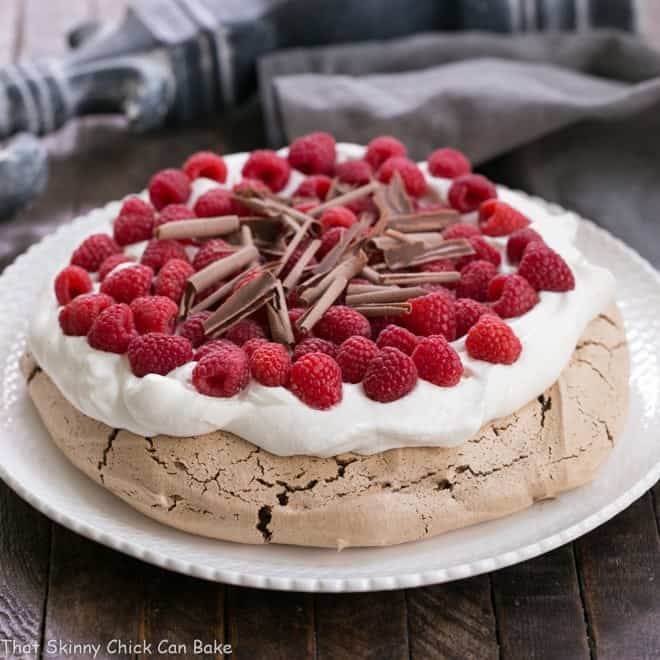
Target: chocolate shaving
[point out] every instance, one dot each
(421, 278)
(398, 236)
(278, 317)
(296, 272)
(293, 244)
(396, 196)
(423, 221)
(347, 269)
(350, 196)
(357, 289)
(386, 295)
(370, 274)
(309, 319)
(217, 295)
(198, 228)
(331, 259)
(392, 309)
(415, 254)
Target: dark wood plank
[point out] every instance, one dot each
(536, 599)
(453, 620)
(619, 568)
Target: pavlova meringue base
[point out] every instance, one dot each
(221, 486)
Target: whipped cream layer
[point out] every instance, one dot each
(102, 386)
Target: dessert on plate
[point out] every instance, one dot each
(330, 345)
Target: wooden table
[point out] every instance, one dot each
(596, 598)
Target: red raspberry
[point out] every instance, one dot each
(248, 188)
(397, 337)
(337, 216)
(206, 164)
(315, 186)
(193, 328)
(243, 331)
(154, 314)
(214, 203)
(222, 373)
(382, 148)
(499, 219)
(437, 361)
(379, 323)
(316, 380)
(112, 262)
(270, 364)
(211, 251)
(468, 191)
(364, 204)
(112, 330)
(354, 356)
(518, 241)
(172, 278)
(134, 223)
(461, 230)
(448, 163)
(159, 252)
(314, 345)
(475, 277)
(468, 312)
(174, 213)
(158, 353)
(545, 269)
(437, 266)
(329, 239)
(93, 251)
(72, 281)
(268, 167)
(354, 172)
(216, 346)
(390, 375)
(169, 187)
(492, 340)
(432, 314)
(77, 317)
(294, 314)
(412, 177)
(128, 283)
(512, 295)
(339, 323)
(251, 345)
(482, 251)
(313, 154)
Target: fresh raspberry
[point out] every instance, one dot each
(248, 188)
(492, 340)
(216, 346)
(159, 252)
(339, 323)
(112, 262)
(390, 375)
(432, 314)
(172, 278)
(268, 167)
(382, 148)
(76, 317)
(313, 154)
(154, 314)
(112, 330)
(72, 281)
(437, 361)
(270, 364)
(193, 328)
(499, 219)
(158, 353)
(206, 164)
(437, 266)
(354, 172)
(214, 203)
(243, 331)
(363, 204)
(134, 223)
(435, 287)
(316, 380)
(211, 251)
(294, 314)
(518, 241)
(412, 177)
(461, 230)
(354, 356)
(448, 163)
(126, 284)
(169, 187)
(475, 277)
(512, 295)
(93, 251)
(305, 207)
(315, 186)
(314, 345)
(397, 337)
(483, 250)
(222, 373)
(251, 345)
(468, 191)
(468, 312)
(545, 269)
(379, 323)
(329, 239)
(174, 213)
(337, 216)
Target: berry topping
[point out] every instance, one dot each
(468, 312)
(482, 250)
(314, 345)
(337, 216)
(158, 353)
(382, 148)
(112, 330)
(492, 340)
(154, 314)
(77, 317)
(270, 364)
(499, 219)
(214, 203)
(174, 213)
(354, 356)
(512, 295)
(216, 346)
(448, 163)
(211, 251)
(313, 154)
(206, 164)
(159, 252)
(172, 278)
(251, 345)
(222, 373)
(339, 323)
(437, 361)
(93, 251)
(468, 191)
(390, 375)
(126, 284)
(294, 314)
(193, 328)
(134, 223)
(397, 337)
(411, 175)
(169, 187)
(475, 277)
(316, 380)
(243, 331)
(315, 186)
(461, 230)
(545, 269)
(72, 281)
(329, 239)
(268, 167)
(432, 314)
(354, 172)
(518, 241)
(112, 262)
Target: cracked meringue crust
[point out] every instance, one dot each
(221, 486)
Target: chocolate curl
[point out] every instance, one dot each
(296, 272)
(452, 249)
(387, 295)
(357, 289)
(370, 274)
(331, 259)
(308, 320)
(396, 196)
(248, 240)
(347, 270)
(276, 207)
(278, 317)
(385, 241)
(293, 244)
(392, 309)
(424, 221)
(198, 228)
(350, 196)
(421, 278)
(414, 254)
(399, 236)
(217, 295)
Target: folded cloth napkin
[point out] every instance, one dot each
(570, 117)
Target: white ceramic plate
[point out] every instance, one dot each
(35, 469)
